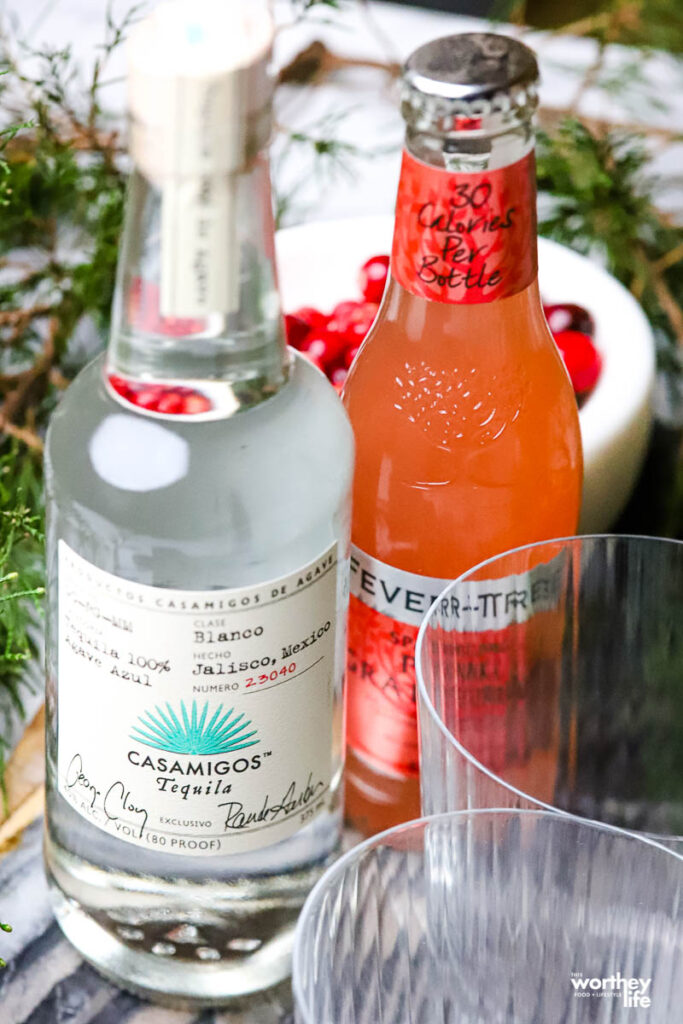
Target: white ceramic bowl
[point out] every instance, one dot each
(318, 266)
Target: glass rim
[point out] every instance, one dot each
(339, 866)
(425, 700)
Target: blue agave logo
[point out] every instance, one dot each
(190, 733)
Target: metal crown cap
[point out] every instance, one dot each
(481, 77)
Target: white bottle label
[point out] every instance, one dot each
(401, 595)
(197, 722)
(472, 605)
(199, 271)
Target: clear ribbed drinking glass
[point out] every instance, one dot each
(494, 917)
(552, 677)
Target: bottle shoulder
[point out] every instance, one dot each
(96, 438)
(478, 400)
(424, 358)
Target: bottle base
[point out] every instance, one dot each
(215, 950)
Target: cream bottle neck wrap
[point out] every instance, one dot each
(199, 87)
(200, 103)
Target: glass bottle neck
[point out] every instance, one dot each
(472, 151)
(196, 300)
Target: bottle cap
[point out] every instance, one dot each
(200, 86)
(475, 82)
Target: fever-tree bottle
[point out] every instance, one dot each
(198, 480)
(466, 426)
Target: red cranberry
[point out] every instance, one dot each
(144, 304)
(170, 402)
(296, 329)
(147, 397)
(178, 326)
(343, 310)
(360, 322)
(566, 316)
(195, 403)
(179, 401)
(338, 376)
(144, 313)
(342, 316)
(311, 316)
(466, 124)
(582, 359)
(324, 346)
(373, 278)
(121, 386)
(350, 354)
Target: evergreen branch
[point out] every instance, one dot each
(639, 23)
(670, 258)
(329, 157)
(4, 928)
(317, 62)
(601, 201)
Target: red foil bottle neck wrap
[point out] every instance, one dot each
(465, 238)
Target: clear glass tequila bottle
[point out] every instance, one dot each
(198, 486)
